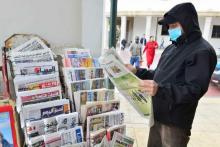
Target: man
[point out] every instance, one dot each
(180, 79)
(123, 44)
(150, 48)
(143, 40)
(135, 50)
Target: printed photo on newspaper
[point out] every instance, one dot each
(120, 140)
(125, 81)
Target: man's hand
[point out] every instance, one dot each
(149, 86)
(131, 68)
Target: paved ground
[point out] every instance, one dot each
(206, 126)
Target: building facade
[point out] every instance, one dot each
(139, 17)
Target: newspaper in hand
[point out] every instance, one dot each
(126, 82)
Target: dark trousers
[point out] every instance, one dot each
(167, 136)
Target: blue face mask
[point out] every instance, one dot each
(175, 33)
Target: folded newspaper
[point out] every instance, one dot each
(125, 81)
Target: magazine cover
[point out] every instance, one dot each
(120, 140)
(122, 79)
(76, 53)
(80, 74)
(79, 62)
(67, 121)
(98, 83)
(44, 110)
(81, 85)
(84, 96)
(77, 74)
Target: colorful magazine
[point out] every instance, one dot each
(76, 53)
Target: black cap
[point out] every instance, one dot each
(167, 19)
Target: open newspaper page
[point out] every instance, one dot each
(126, 82)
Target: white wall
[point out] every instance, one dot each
(139, 27)
(57, 21)
(63, 23)
(92, 25)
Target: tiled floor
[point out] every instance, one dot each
(206, 126)
(205, 131)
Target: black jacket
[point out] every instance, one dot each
(183, 72)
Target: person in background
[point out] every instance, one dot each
(135, 50)
(143, 42)
(180, 80)
(150, 48)
(162, 44)
(123, 44)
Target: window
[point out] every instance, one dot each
(216, 31)
(164, 30)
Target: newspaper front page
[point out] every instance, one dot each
(126, 82)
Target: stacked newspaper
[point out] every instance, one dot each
(36, 77)
(92, 95)
(45, 117)
(82, 72)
